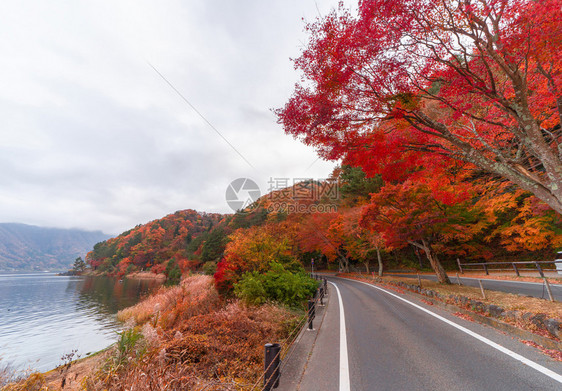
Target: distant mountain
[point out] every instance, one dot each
(27, 247)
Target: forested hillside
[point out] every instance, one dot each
(354, 221)
(27, 247)
(176, 241)
(347, 221)
(447, 150)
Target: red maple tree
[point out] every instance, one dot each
(475, 81)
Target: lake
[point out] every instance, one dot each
(44, 316)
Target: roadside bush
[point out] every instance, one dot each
(278, 285)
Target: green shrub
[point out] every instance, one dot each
(210, 268)
(172, 272)
(128, 340)
(278, 284)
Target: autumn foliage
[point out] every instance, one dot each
(405, 84)
(175, 238)
(446, 118)
(184, 337)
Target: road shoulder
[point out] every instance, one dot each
(295, 366)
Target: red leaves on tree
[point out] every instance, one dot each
(153, 244)
(476, 81)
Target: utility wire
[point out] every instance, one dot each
(199, 113)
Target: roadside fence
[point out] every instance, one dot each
(515, 266)
(277, 355)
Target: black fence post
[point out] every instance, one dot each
(325, 285)
(486, 269)
(321, 295)
(272, 364)
(311, 314)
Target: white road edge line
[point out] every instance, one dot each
(344, 361)
(526, 361)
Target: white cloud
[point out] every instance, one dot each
(92, 137)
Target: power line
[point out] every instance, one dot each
(199, 113)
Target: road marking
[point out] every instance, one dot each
(526, 361)
(344, 362)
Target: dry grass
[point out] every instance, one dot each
(218, 350)
(34, 382)
(193, 343)
(146, 309)
(147, 276)
(187, 341)
(14, 379)
(191, 292)
(7, 373)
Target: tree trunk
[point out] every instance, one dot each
(379, 259)
(367, 266)
(417, 252)
(433, 261)
(345, 264)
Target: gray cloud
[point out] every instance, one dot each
(91, 136)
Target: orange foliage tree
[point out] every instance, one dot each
(409, 213)
(254, 249)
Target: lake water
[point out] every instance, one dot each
(44, 316)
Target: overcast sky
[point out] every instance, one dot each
(93, 138)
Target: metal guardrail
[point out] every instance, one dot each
(514, 266)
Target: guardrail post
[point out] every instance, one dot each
(419, 280)
(311, 314)
(486, 269)
(460, 267)
(539, 268)
(516, 270)
(548, 289)
(272, 364)
(482, 289)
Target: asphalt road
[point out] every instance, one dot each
(523, 288)
(391, 344)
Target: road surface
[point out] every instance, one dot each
(386, 341)
(534, 289)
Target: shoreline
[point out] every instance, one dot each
(146, 276)
(77, 370)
